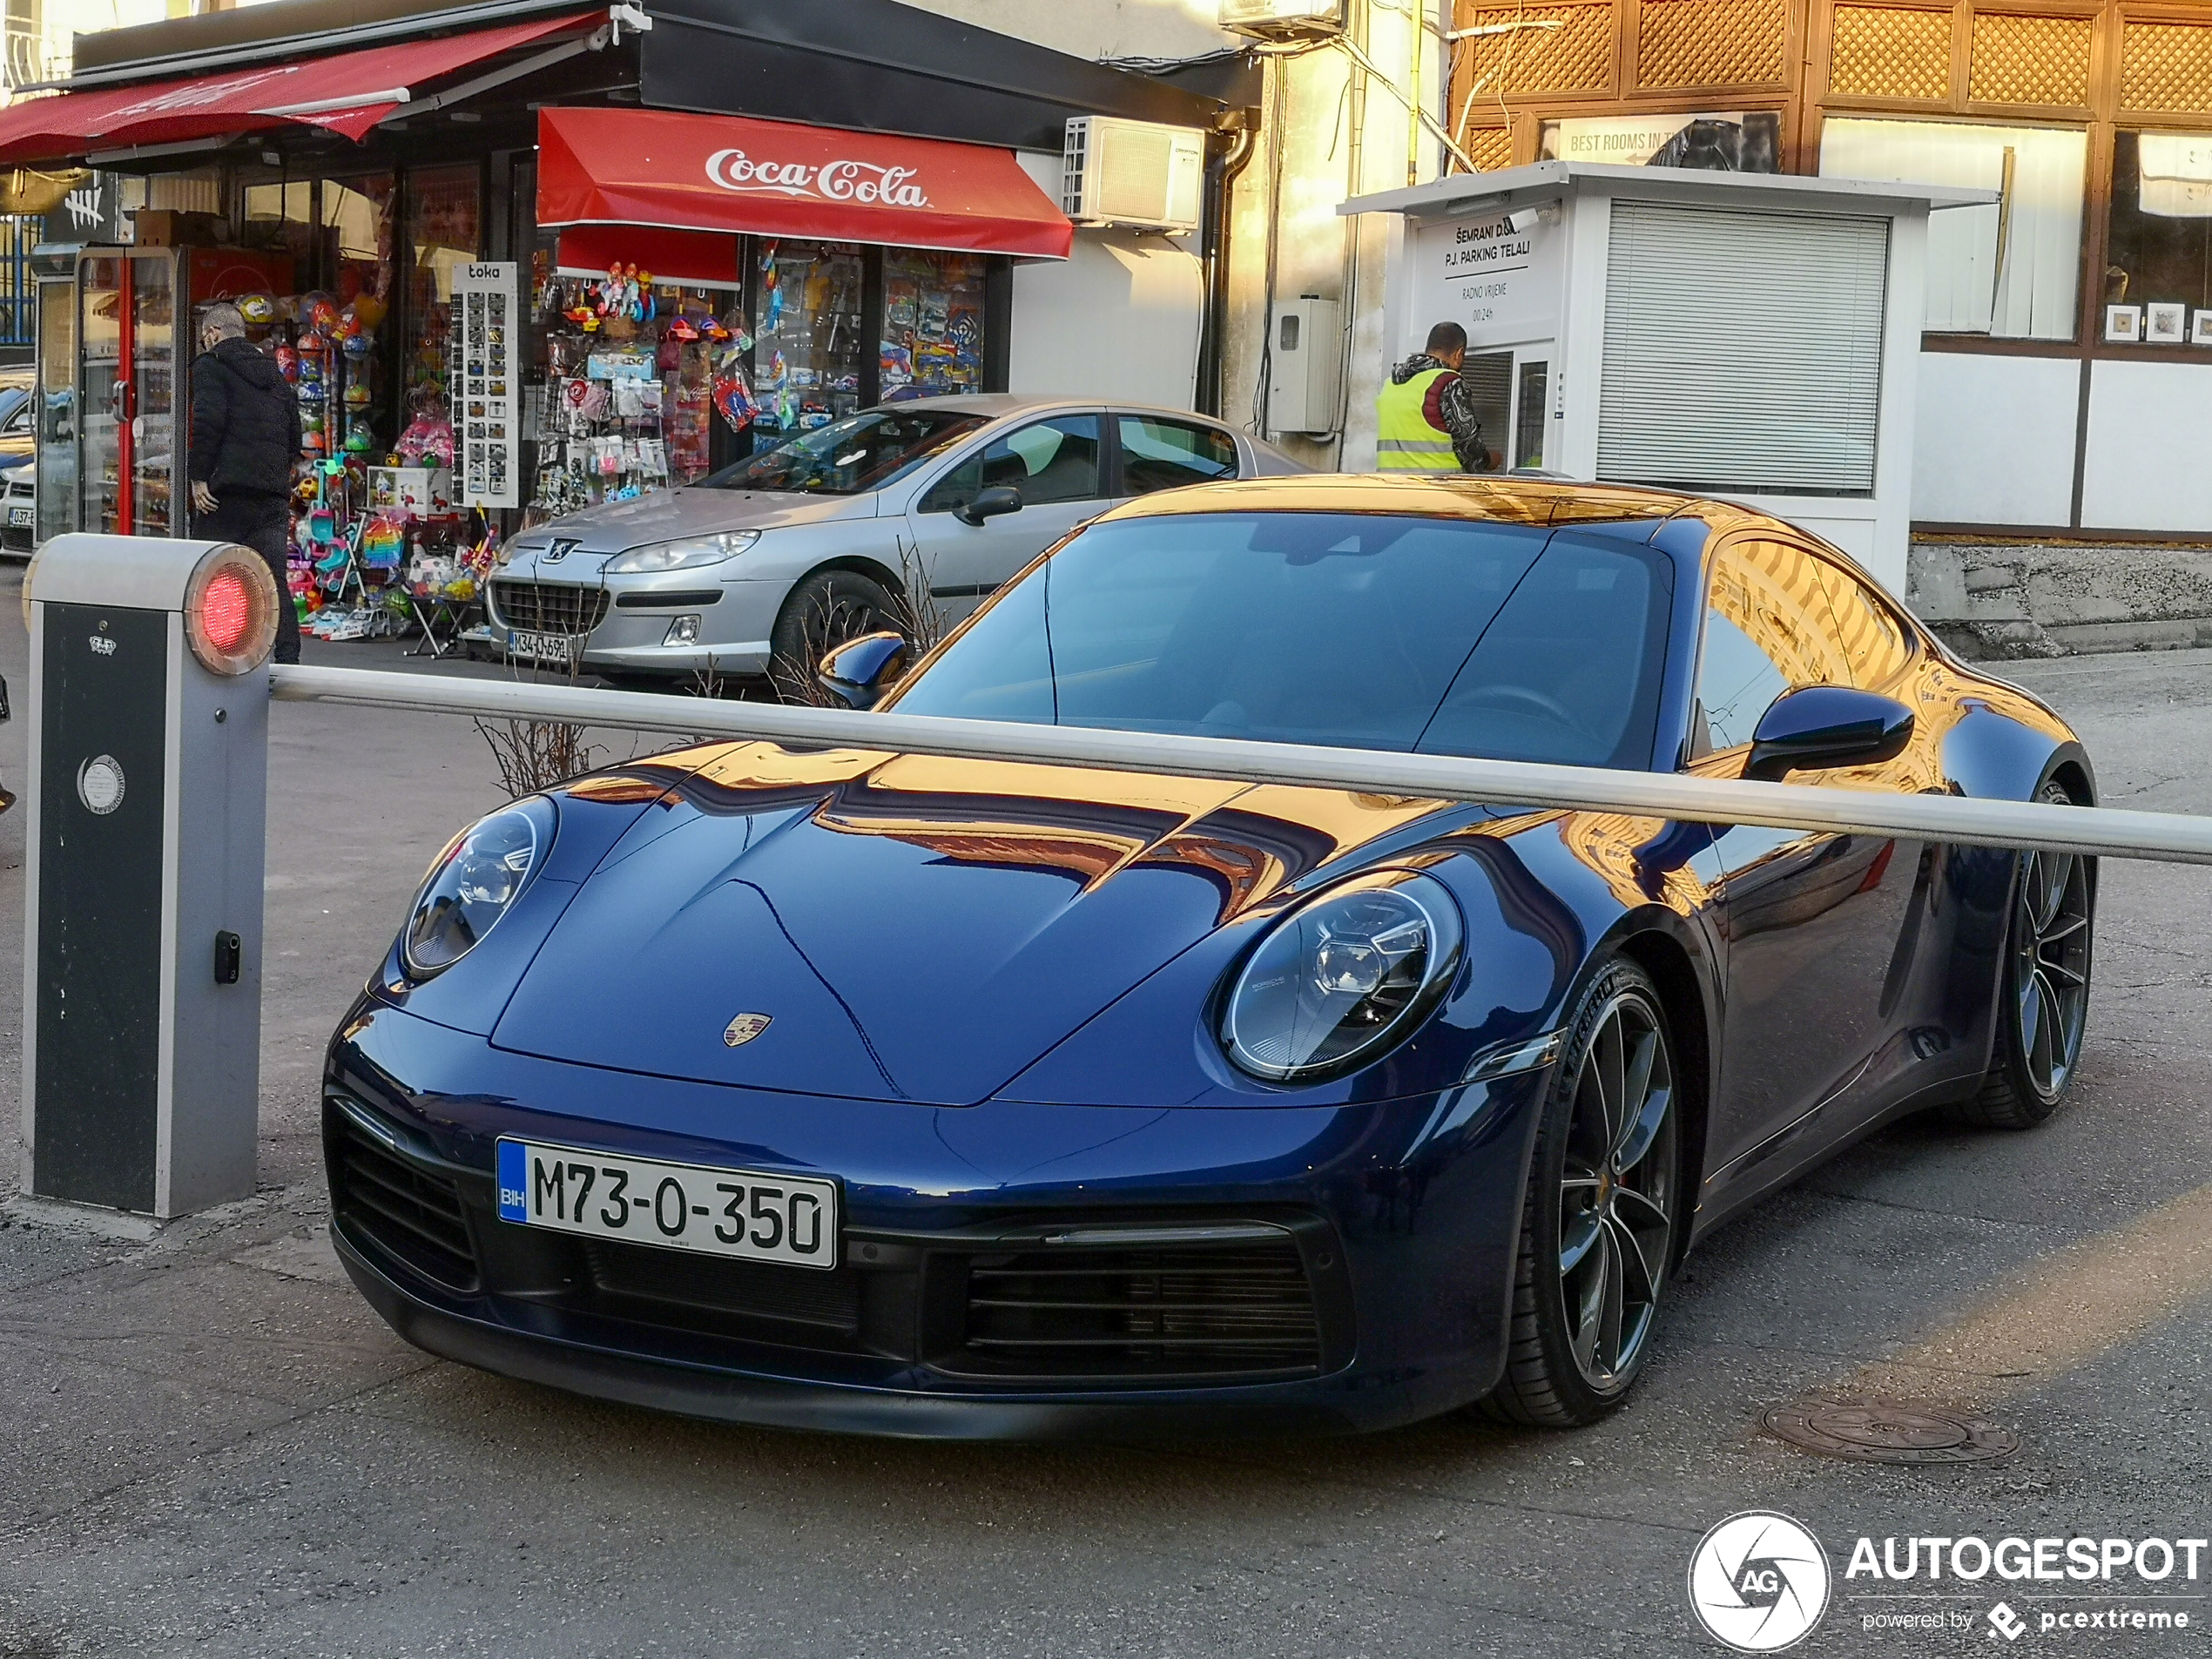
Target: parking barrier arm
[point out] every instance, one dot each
(2098, 831)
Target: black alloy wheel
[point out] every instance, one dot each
(2043, 995)
(821, 614)
(1598, 1225)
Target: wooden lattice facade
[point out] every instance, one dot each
(2100, 67)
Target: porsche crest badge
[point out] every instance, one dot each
(743, 1029)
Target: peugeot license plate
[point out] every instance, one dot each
(19, 518)
(545, 648)
(760, 1216)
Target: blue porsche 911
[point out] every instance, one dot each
(854, 1089)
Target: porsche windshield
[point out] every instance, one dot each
(1430, 635)
(850, 457)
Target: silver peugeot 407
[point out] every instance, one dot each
(760, 568)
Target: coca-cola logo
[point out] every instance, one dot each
(839, 181)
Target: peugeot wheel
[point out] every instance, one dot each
(821, 613)
(1598, 1225)
(2043, 989)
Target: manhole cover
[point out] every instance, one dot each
(1889, 1434)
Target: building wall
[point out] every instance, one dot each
(1119, 318)
(1330, 130)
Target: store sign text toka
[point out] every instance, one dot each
(838, 181)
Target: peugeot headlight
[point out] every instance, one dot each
(475, 882)
(1342, 977)
(686, 555)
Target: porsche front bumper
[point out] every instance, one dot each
(1380, 1292)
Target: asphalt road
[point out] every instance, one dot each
(209, 1446)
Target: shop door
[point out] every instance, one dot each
(126, 393)
(1057, 467)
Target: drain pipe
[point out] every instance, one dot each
(1224, 165)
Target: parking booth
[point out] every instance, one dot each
(1750, 336)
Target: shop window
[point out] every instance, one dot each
(806, 349)
(933, 323)
(1160, 454)
(282, 216)
(1052, 460)
(2011, 270)
(2159, 251)
(443, 229)
(357, 228)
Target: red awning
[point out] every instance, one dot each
(731, 173)
(347, 93)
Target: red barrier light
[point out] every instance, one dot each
(227, 611)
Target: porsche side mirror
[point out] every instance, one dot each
(861, 670)
(1818, 726)
(998, 500)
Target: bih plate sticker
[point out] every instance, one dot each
(753, 1214)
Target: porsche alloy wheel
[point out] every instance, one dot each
(1598, 1227)
(2043, 1002)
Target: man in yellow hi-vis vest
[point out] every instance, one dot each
(1423, 418)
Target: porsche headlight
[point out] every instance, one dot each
(1342, 978)
(475, 882)
(686, 555)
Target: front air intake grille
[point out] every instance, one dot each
(412, 1214)
(548, 607)
(1170, 1311)
(713, 1292)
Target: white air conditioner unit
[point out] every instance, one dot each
(1132, 172)
(1283, 19)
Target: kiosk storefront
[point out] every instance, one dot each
(359, 170)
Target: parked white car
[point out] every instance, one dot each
(836, 531)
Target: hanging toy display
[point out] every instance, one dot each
(732, 396)
(629, 393)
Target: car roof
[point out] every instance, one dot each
(1501, 498)
(993, 406)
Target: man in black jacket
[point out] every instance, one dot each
(245, 438)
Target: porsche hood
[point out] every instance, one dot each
(868, 925)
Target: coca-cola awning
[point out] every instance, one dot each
(344, 92)
(730, 173)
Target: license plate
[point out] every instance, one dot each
(748, 1213)
(544, 648)
(19, 518)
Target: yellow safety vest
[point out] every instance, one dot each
(1404, 439)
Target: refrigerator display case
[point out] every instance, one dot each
(55, 507)
(134, 344)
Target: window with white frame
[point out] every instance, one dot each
(2011, 269)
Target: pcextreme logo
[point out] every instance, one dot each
(1759, 1582)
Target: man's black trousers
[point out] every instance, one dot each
(264, 523)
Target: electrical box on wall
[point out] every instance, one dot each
(1132, 172)
(1303, 359)
(1283, 19)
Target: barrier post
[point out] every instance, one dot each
(146, 796)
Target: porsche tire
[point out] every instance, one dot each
(2043, 987)
(1600, 1218)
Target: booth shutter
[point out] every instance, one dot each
(1743, 350)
